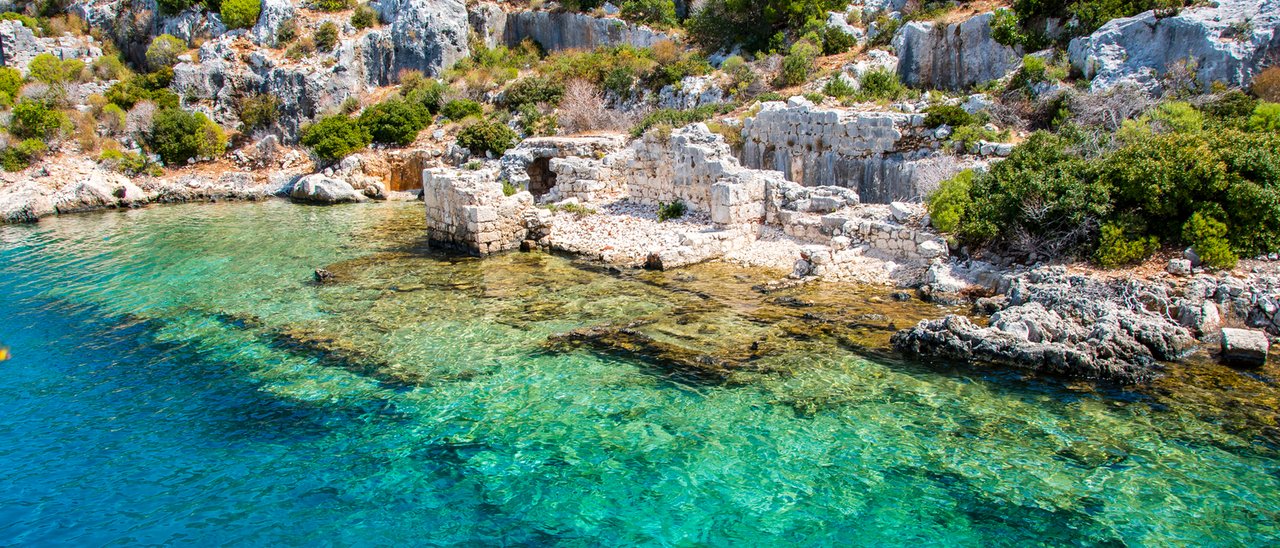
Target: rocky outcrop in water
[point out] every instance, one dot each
(1074, 326)
(1228, 41)
(954, 57)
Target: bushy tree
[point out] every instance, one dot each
(326, 36)
(797, 66)
(34, 119)
(258, 110)
(48, 68)
(241, 14)
(487, 136)
(459, 109)
(335, 137)
(178, 136)
(395, 121)
(650, 12)
(10, 82)
(948, 204)
(164, 51)
(364, 17)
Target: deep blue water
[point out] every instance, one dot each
(158, 393)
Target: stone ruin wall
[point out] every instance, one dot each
(873, 153)
(467, 211)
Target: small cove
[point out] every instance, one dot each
(178, 377)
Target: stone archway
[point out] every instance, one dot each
(541, 178)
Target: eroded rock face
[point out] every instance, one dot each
(566, 30)
(425, 35)
(1072, 326)
(21, 45)
(273, 14)
(954, 57)
(1228, 41)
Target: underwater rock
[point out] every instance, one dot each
(323, 276)
(682, 362)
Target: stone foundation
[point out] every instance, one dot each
(467, 211)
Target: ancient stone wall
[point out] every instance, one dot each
(873, 153)
(696, 167)
(467, 211)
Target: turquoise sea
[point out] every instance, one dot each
(178, 378)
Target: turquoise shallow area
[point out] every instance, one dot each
(178, 378)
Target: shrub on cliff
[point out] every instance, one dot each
(797, 66)
(487, 136)
(949, 115)
(178, 136)
(947, 205)
(32, 119)
(1207, 236)
(423, 91)
(660, 13)
(257, 110)
(333, 138)
(326, 36)
(1266, 117)
(240, 14)
(331, 5)
(164, 51)
(1116, 248)
(173, 7)
(395, 121)
(533, 90)
(364, 17)
(723, 24)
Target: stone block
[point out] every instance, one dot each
(1244, 347)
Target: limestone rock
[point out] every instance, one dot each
(1179, 267)
(318, 188)
(273, 14)
(425, 35)
(567, 30)
(1244, 347)
(1229, 41)
(953, 57)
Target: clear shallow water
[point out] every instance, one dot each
(177, 378)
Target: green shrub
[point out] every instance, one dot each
(115, 118)
(428, 93)
(17, 158)
(770, 96)
(331, 5)
(797, 66)
(1044, 192)
(532, 91)
(967, 138)
(240, 14)
(459, 109)
(723, 24)
(335, 137)
(950, 115)
(671, 210)
(326, 36)
(36, 120)
(666, 74)
(661, 13)
(1178, 116)
(487, 136)
(1115, 249)
(509, 189)
(880, 83)
(886, 27)
(620, 81)
(47, 68)
(1231, 104)
(837, 87)
(258, 110)
(1006, 29)
(109, 67)
(1266, 117)
(129, 163)
(173, 7)
(677, 118)
(164, 51)
(364, 17)
(10, 81)
(149, 87)
(1207, 236)
(178, 136)
(948, 204)
(286, 32)
(395, 121)
(836, 41)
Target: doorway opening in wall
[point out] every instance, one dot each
(541, 178)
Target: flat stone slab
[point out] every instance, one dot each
(1244, 347)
